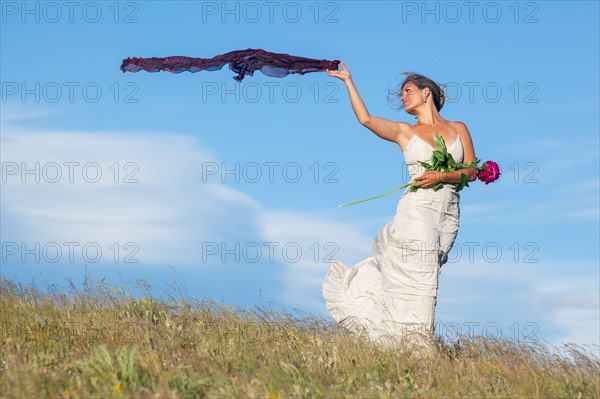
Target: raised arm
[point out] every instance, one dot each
(384, 128)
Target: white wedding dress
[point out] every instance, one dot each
(391, 296)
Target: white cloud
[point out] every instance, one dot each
(589, 299)
(559, 295)
(149, 191)
(169, 210)
(579, 326)
(319, 240)
(11, 113)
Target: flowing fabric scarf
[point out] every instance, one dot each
(242, 62)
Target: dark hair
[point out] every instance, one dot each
(421, 82)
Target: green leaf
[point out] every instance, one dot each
(440, 156)
(451, 161)
(464, 182)
(439, 142)
(472, 164)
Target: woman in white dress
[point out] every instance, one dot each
(391, 295)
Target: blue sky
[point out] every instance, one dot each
(231, 189)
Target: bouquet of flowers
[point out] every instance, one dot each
(442, 161)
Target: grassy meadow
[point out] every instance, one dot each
(99, 341)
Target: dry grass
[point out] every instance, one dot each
(101, 342)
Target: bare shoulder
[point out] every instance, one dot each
(404, 128)
(462, 130)
(460, 127)
(465, 137)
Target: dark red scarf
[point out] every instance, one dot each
(242, 62)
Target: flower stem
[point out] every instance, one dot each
(378, 196)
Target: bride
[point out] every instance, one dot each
(391, 295)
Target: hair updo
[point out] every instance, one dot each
(421, 82)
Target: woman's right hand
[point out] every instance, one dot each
(344, 74)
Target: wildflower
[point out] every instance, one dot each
(117, 387)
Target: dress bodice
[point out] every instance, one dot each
(418, 149)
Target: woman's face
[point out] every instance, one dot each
(411, 97)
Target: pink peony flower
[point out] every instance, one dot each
(489, 173)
